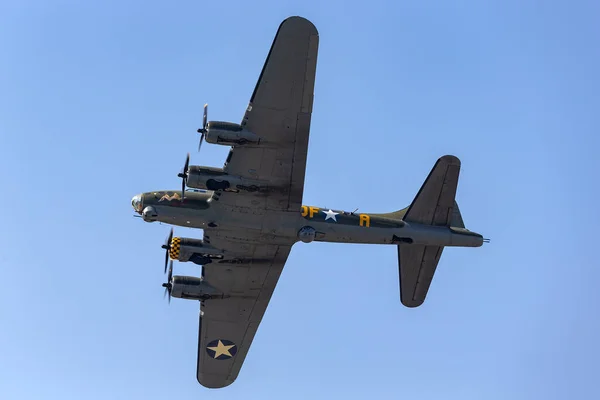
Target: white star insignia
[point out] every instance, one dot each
(330, 214)
(220, 349)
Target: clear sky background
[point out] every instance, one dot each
(101, 100)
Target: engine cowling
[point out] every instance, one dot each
(194, 250)
(216, 179)
(229, 134)
(193, 288)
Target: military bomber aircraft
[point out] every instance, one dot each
(252, 214)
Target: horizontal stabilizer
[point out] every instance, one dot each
(416, 264)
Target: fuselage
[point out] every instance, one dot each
(200, 210)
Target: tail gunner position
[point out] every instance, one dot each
(251, 211)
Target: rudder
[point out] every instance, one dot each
(456, 220)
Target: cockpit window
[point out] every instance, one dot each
(136, 203)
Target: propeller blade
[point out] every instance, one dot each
(200, 142)
(170, 280)
(166, 260)
(183, 175)
(168, 285)
(170, 238)
(182, 188)
(187, 164)
(167, 291)
(204, 125)
(167, 247)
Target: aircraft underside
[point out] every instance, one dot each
(250, 211)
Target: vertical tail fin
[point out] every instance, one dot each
(434, 203)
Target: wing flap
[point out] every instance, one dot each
(298, 167)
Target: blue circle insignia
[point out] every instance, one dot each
(221, 349)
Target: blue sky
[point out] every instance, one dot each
(101, 100)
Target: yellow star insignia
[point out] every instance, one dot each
(221, 349)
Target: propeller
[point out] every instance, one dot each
(203, 129)
(167, 247)
(169, 284)
(184, 175)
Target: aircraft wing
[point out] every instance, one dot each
(227, 326)
(279, 112)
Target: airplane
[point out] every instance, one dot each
(252, 214)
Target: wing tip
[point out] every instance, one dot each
(295, 23)
(299, 23)
(449, 160)
(213, 381)
(410, 303)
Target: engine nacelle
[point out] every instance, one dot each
(307, 234)
(216, 179)
(149, 214)
(194, 250)
(229, 134)
(193, 288)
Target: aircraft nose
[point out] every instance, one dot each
(136, 203)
